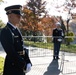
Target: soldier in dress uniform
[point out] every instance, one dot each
(57, 39)
(17, 61)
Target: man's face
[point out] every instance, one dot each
(16, 18)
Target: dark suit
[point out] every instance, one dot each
(57, 39)
(12, 43)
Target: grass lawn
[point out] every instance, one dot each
(64, 47)
(1, 64)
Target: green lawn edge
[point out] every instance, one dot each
(1, 65)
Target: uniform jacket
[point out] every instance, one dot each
(12, 43)
(57, 35)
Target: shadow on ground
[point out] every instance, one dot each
(52, 69)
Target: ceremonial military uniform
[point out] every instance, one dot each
(57, 39)
(16, 56)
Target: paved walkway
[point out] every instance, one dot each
(44, 65)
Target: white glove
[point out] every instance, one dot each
(59, 40)
(28, 68)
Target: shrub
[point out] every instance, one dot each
(70, 37)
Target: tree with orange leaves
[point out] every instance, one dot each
(32, 12)
(48, 24)
(32, 16)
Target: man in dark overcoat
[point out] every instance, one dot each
(57, 39)
(17, 61)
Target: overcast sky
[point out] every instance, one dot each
(50, 7)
